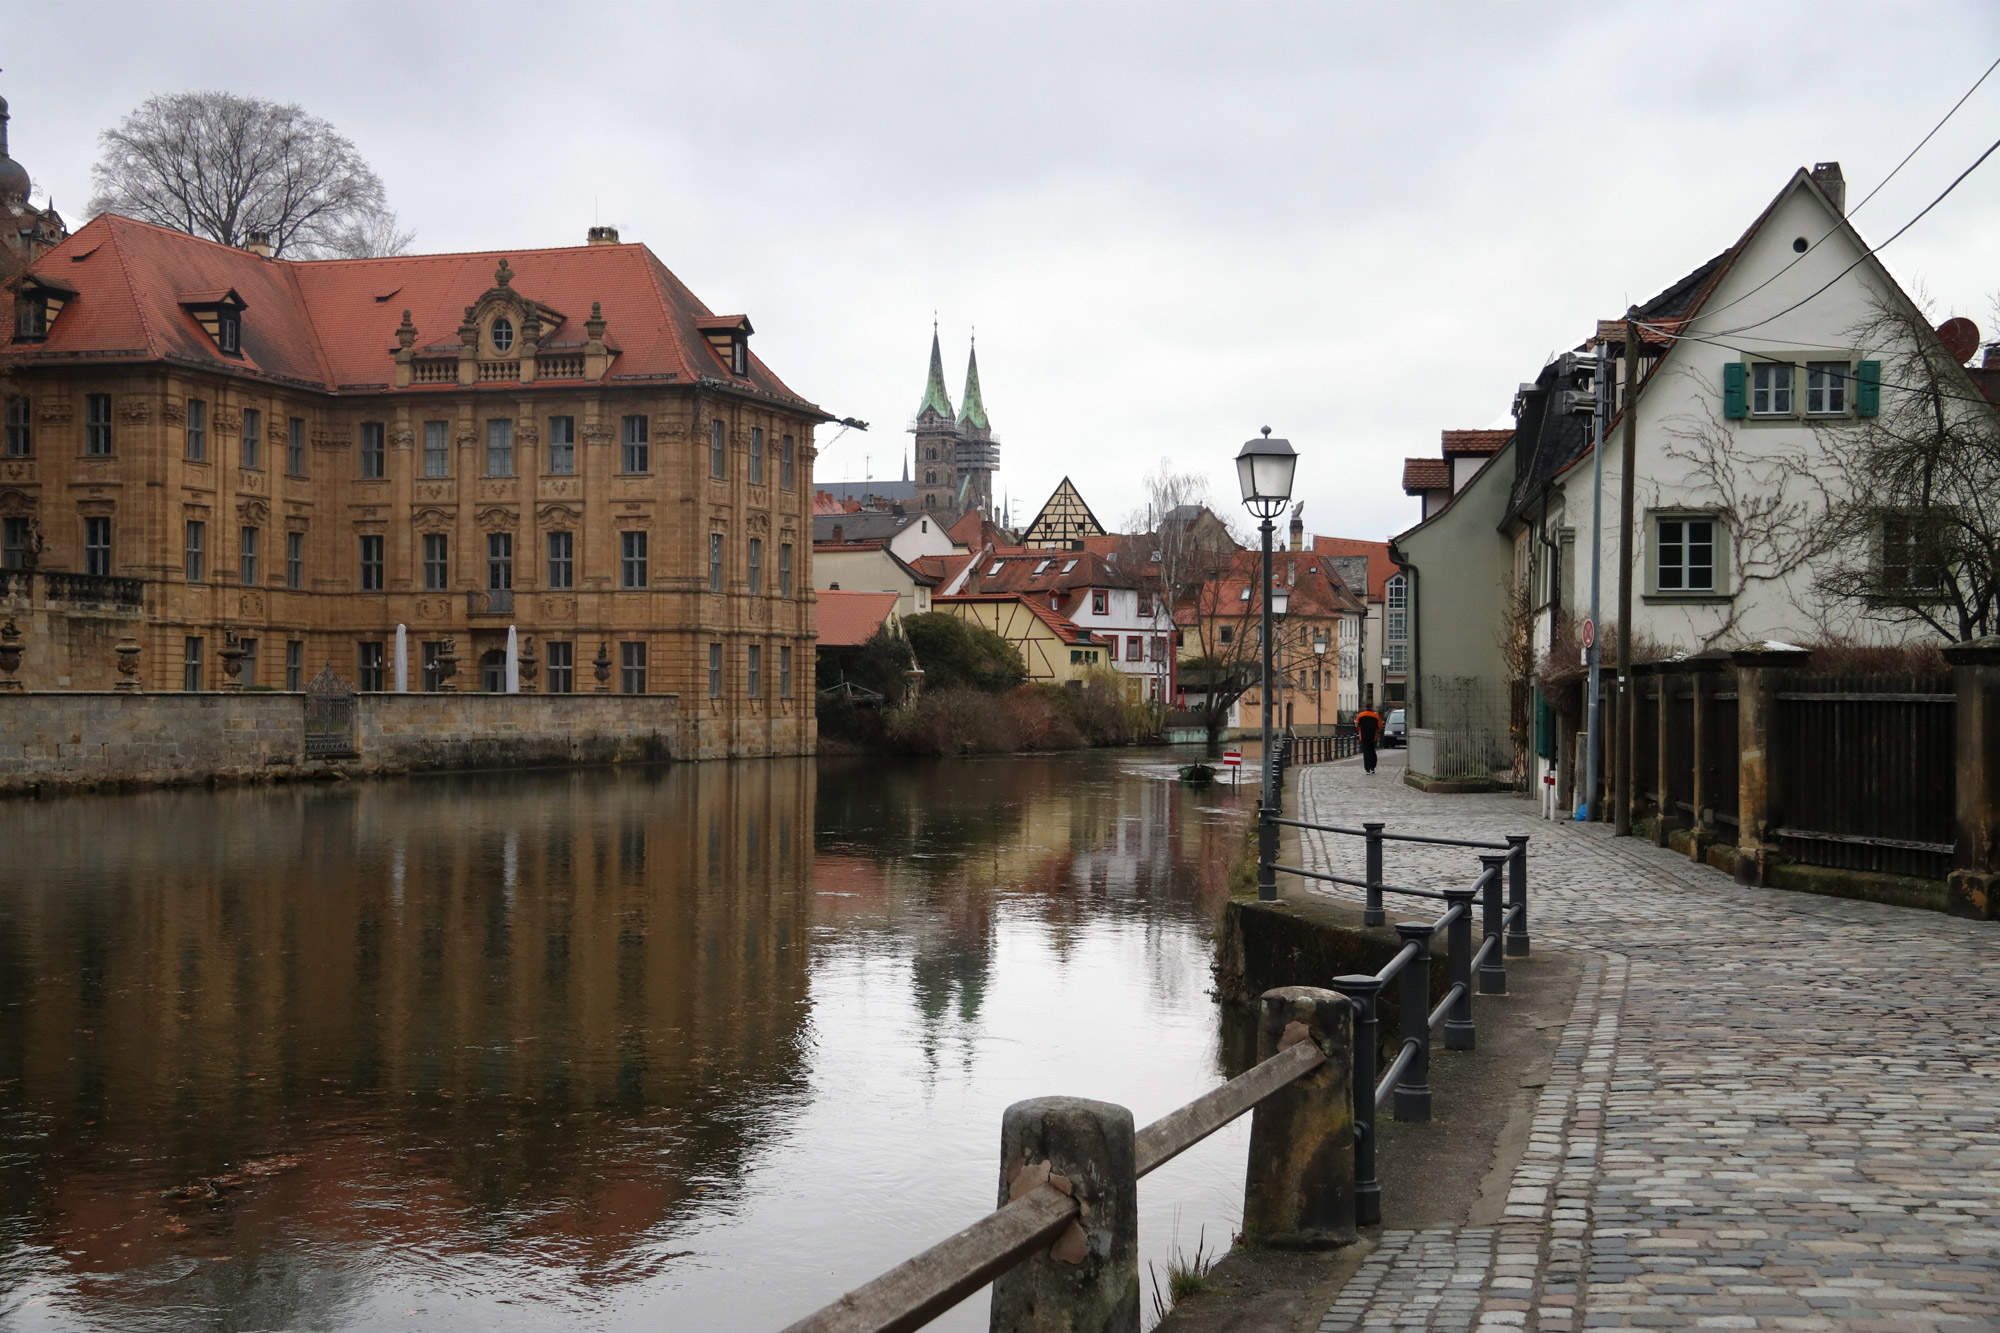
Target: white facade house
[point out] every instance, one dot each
(1137, 632)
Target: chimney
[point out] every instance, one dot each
(259, 244)
(1832, 184)
(839, 533)
(601, 236)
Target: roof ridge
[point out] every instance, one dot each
(153, 348)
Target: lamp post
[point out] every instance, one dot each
(1264, 472)
(1319, 683)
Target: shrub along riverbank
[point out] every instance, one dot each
(975, 697)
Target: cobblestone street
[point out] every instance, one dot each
(1768, 1110)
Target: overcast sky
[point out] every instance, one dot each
(1170, 223)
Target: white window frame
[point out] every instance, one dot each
(1658, 525)
(1829, 399)
(1776, 399)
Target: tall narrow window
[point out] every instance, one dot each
(632, 668)
(784, 569)
(785, 671)
(715, 671)
(191, 663)
(753, 676)
(368, 664)
(295, 665)
(562, 667)
(246, 665)
(197, 430)
(756, 566)
(246, 553)
(1826, 387)
(785, 465)
(437, 448)
(718, 450)
(1770, 388)
(97, 424)
(499, 560)
(499, 448)
(632, 572)
(562, 560)
(196, 531)
(371, 562)
(96, 545)
(295, 560)
(14, 542)
(437, 571)
(562, 445)
(715, 562)
(295, 447)
(20, 438)
(756, 455)
(634, 453)
(253, 439)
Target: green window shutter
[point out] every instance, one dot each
(1735, 390)
(1867, 388)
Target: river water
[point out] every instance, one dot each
(692, 1047)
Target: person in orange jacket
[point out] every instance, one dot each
(1368, 726)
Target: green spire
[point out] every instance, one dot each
(975, 406)
(936, 399)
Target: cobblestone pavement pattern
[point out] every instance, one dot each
(1767, 1110)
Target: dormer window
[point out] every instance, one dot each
(36, 308)
(220, 314)
(729, 337)
(503, 334)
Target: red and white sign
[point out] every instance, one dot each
(1232, 758)
(1589, 633)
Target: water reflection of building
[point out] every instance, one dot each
(545, 1009)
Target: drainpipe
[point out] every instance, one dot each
(1414, 675)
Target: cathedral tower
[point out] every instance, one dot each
(978, 451)
(936, 450)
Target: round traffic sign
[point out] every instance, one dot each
(1589, 633)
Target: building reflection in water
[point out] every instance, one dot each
(518, 1038)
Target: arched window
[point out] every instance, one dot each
(930, 478)
(932, 455)
(930, 502)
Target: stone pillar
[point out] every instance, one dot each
(1088, 1281)
(1299, 1189)
(10, 656)
(1974, 886)
(1759, 672)
(128, 665)
(1702, 671)
(1665, 816)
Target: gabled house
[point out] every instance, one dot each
(1433, 481)
(909, 533)
(1115, 604)
(1054, 648)
(1222, 624)
(873, 567)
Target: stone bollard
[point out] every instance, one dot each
(1299, 1189)
(127, 649)
(1088, 1281)
(1759, 795)
(1974, 886)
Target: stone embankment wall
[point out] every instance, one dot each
(77, 739)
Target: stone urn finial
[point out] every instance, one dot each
(128, 665)
(232, 661)
(602, 667)
(10, 656)
(446, 665)
(528, 665)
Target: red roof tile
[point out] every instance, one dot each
(1036, 605)
(1380, 567)
(1475, 441)
(332, 323)
(850, 619)
(1426, 474)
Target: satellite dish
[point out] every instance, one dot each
(1960, 337)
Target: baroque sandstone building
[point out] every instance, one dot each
(230, 457)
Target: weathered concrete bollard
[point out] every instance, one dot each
(1088, 1281)
(1299, 1191)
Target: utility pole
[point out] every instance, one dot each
(1593, 742)
(1627, 460)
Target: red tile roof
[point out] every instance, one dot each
(850, 619)
(1380, 567)
(1475, 441)
(1426, 474)
(1613, 331)
(1068, 571)
(1036, 605)
(332, 323)
(1316, 590)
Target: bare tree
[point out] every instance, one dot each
(1170, 546)
(1920, 503)
(217, 165)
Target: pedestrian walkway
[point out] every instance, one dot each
(1768, 1110)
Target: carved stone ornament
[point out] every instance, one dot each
(228, 420)
(567, 487)
(251, 481)
(465, 438)
(675, 430)
(597, 435)
(174, 412)
(600, 667)
(445, 665)
(433, 490)
(759, 523)
(330, 440)
(232, 661)
(527, 433)
(251, 605)
(18, 469)
(253, 511)
(496, 519)
(10, 656)
(432, 608)
(555, 515)
(528, 664)
(127, 649)
(56, 411)
(16, 504)
(559, 608)
(402, 438)
(135, 411)
(432, 519)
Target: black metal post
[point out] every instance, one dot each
(1413, 1089)
(1364, 992)
(1459, 1034)
(1493, 972)
(1517, 894)
(1372, 914)
(1267, 851)
(1271, 777)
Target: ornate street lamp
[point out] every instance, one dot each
(1319, 684)
(1264, 470)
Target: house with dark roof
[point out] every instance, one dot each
(1433, 481)
(257, 467)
